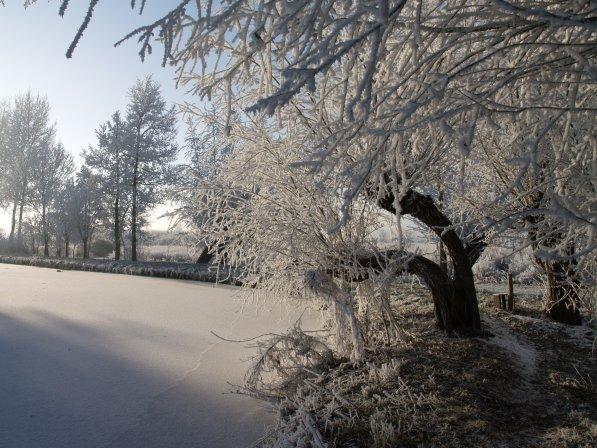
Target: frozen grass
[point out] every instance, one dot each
(183, 271)
(529, 385)
(175, 253)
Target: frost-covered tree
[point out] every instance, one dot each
(64, 218)
(5, 184)
(152, 149)
(546, 196)
(110, 161)
(52, 166)
(207, 149)
(88, 206)
(27, 133)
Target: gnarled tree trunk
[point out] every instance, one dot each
(455, 297)
(561, 296)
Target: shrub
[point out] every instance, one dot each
(101, 248)
(12, 247)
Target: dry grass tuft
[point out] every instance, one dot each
(426, 390)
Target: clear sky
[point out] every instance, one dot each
(85, 90)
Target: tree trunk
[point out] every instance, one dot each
(561, 295)
(204, 256)
(13, 221)
(134, 211)
(455, 299)
(443, 256)
(452, 313)
(85, 248)
(561, 298)
(66, 238)
(117, 228)
(20, 227)
(44, 229)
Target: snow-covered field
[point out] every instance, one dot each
(101, 360)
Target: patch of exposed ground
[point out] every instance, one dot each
(530, 385)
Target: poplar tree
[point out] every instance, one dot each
(110, 161)
(52, 167)
(27, 133)
(88, 210)
(152, 150)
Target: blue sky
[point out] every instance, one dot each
(85, 90)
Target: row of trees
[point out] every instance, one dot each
(133, 161)
(475, 120)
(122, 177)
(35, 166)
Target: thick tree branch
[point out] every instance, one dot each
(425, 210)
(441, 286)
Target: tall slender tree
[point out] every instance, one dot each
(64, 217)
(110, 161)
(152, 150)
(28, 133)
(88, 206)
(52, 166)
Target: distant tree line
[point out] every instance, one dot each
(124, 175)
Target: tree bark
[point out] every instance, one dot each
(442, 256)
(456, 302)
(205, 256)
(13, 221)
(66, 241)
(117, 228)
(85, 248)
(20, 227)
(561, 297)
(45, 236)
(134, 211)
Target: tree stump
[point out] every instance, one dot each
(500, 301)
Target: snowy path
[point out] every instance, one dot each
(522, 351)
(112, 361)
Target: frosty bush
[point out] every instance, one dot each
(101, 248)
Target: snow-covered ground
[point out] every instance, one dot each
(101, 360)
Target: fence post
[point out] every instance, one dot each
(510, 292)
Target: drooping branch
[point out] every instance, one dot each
(82, 28)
